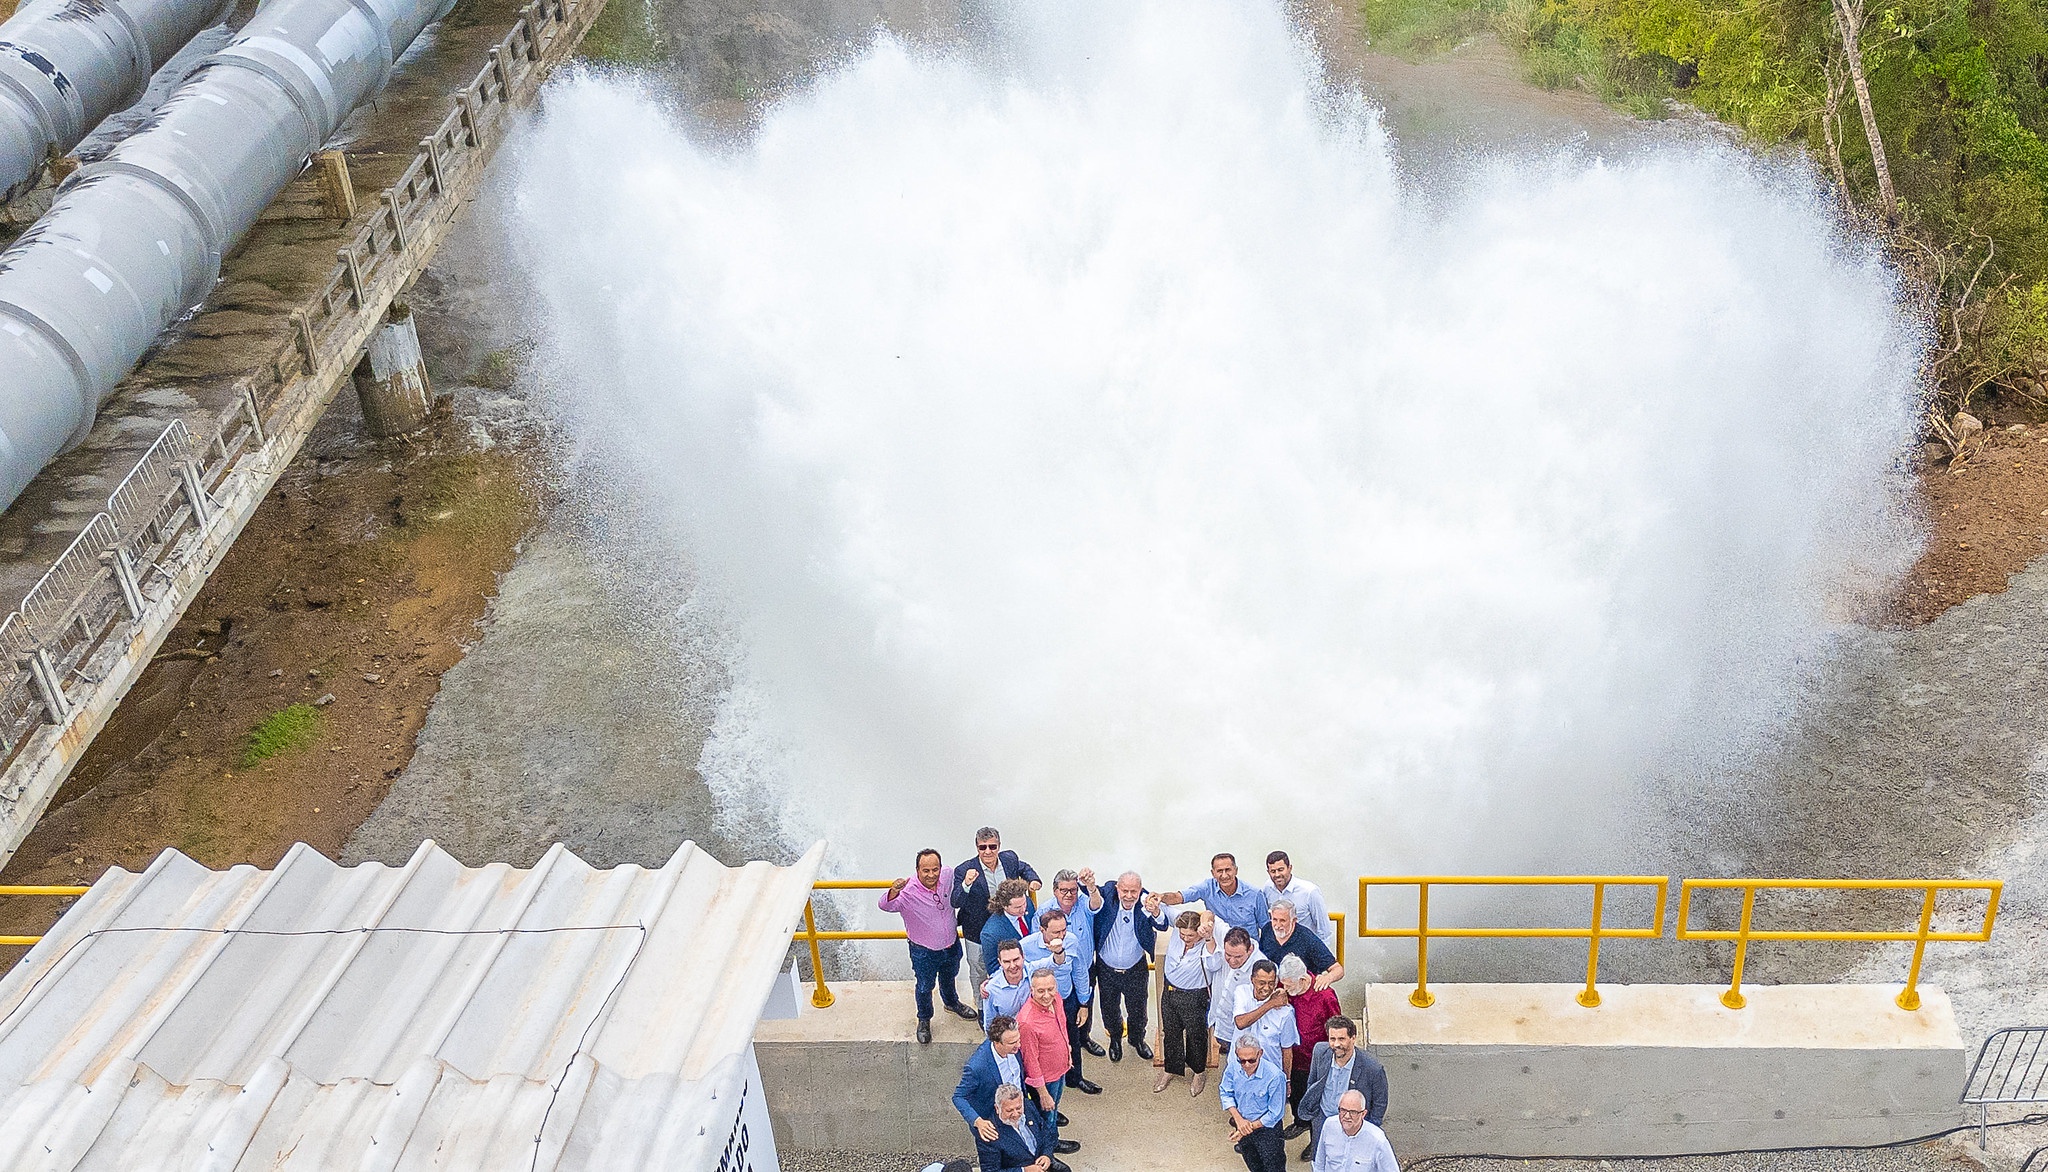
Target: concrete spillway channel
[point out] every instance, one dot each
(107, 546)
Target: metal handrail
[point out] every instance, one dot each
(1595, 931)
(821, 994)
(2018, 1073)
(165, 498)
(1909, 997)
(36, 889)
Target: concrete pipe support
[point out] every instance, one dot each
(135, 240)
(67, 64)
(391, 380)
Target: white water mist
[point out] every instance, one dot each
(1090, 436)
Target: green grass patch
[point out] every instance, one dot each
(1418, 28)
(284, 730)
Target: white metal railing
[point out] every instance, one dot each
(158, 520)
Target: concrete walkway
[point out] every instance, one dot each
(1127, 1128)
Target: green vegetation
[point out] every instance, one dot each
(623, 34)
(284, 730)
(1955, 177)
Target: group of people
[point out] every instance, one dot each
(1249, 985)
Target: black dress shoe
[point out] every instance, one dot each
(1083, 1085)
(1116, 1049)
(1061, 1120)
(1067, 1146)
(1308, 1154)
(1143, 1050)
(1059, 1165)
(1294, 1130)
(924, 1031)
(962, 1011)
(1091, 1046)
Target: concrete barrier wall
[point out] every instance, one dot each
(1661, 1069)
(1516, 1070)
(853, 1077)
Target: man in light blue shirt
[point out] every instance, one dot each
(1230, 901)
(1076, 894)
(1254, 1094)
(1057, 947)
(1009, 984)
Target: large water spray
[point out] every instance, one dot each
(1089, 432)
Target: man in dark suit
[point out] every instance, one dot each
(1126, 930)
(1024, 1138)
(1336, 1066)
(974, 885)
(993, 1066)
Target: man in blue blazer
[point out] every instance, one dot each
(974, 884)
(1126, 929)
(994, 1065)
(1024, 1139)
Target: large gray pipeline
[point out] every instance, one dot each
(67, 64)
(135, 240)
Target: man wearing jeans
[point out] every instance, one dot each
(926, 906)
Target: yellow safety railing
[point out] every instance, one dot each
(821, 994)
(1593, 933)
(1909, 997)
(35, 889)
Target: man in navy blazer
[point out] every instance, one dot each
(994, 1063)
(974, 884)
(1024, 1137)
(1126, 930)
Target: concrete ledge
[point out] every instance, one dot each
(1524, 1070)
(853, 1078)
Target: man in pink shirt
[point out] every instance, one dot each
(926, 906)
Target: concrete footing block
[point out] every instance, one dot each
(391, 380)
(1524, 1070)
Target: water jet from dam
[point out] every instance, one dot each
(1093, 431)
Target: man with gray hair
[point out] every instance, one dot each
(1283, 936)
(974, 884)
(1307, 898)
(1254, 1094)
(1126, 929)
(1024, 1140)
(1348, 1143)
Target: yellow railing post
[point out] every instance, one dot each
(1422, 998)
(1922, 934)
(821, 996)
(1733, 998)
(1339, 917)
(1909, 997)
(1590, 996)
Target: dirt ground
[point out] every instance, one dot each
(1988, 514)
(360, 578)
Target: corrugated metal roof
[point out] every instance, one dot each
(430, 1015)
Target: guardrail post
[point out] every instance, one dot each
(43, 673)
(347, 257)
(127, 579)
(1909, 997)
(1422, 998)
(1590, 996)
(821, 997)
(1733, 998)
(255, 416)
(195, 493)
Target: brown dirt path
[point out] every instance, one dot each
(362, 577)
